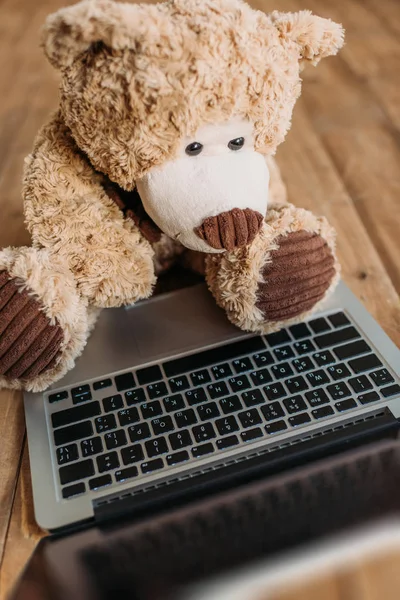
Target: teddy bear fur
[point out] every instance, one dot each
(135, 80)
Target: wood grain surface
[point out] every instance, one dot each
(341, 159)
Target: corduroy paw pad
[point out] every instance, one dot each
(297, 276)
(29, 344)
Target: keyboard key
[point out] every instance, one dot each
(365, 363)
(275, 391)
(261, 377)
(76, 471)
(107, 462)
(221, 371)
(216, 390)
(239, 383)
(156, 446)
(214, 355)
(282, 370)
(202, 450)
(172, 403)
(338, 319)
(336, 337)
(151, 409)
(253, 398)
(360, 384)
(294, 404)
(263, 359)
(227, 425)
(184, 418)
(318, 378)
(391, 390)
(101, 385)
(251, 434)
(58, 396)
(352, 349)
(242, 364)
(135, 396)
(323, 358)
(152, 465)
(157, 390)
(381, 377)
(298, 420)
(180, 439)
(304, 347)
(177, 457)
(277, 338)
(249, 418)
(229, 405)
(200, 377)
(338, 390)
(91, 446)
(139, 432)
(284, 353)
(75, 414)
(124, 474)
(100, 482)
(149, 374)
(162, 425)
(203, 432)
(178, 384)
(369, 397)
(115, 439)
(132, 454)
(319, 325)
(208, 411)
(195, 396)
(227, 442)
(128, 416)
(296, 384)
(67, 454)
(125, 381)
(81, 393)
(113, 403)
(73, 433)
(338, 371)
(105, 423)
(299, 331)
(316, 397)
(275, 427)
(272, 411)
(321, 413)
(303, 364)
(345, 405)
(73, 490)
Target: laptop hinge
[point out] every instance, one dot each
(140, 503)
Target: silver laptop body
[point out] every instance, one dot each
(168, 396)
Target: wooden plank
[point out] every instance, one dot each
(11, 435)
(314, 183)
(23, 534)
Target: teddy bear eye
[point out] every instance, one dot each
(194, 148)
(236, 144)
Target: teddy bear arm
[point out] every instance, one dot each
(68, 212)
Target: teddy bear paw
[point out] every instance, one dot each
(30, 344)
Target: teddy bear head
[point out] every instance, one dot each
(182, 99)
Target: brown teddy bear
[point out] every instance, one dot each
(162, 149)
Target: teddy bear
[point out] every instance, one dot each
(162, 150)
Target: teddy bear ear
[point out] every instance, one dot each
(315, 36)
(72, 30)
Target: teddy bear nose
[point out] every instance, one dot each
(232, 229)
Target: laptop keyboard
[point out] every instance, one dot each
(209, 402)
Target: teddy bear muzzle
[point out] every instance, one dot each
(232, 229)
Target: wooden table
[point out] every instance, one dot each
(341, 158)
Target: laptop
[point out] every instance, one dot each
(170, 403)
